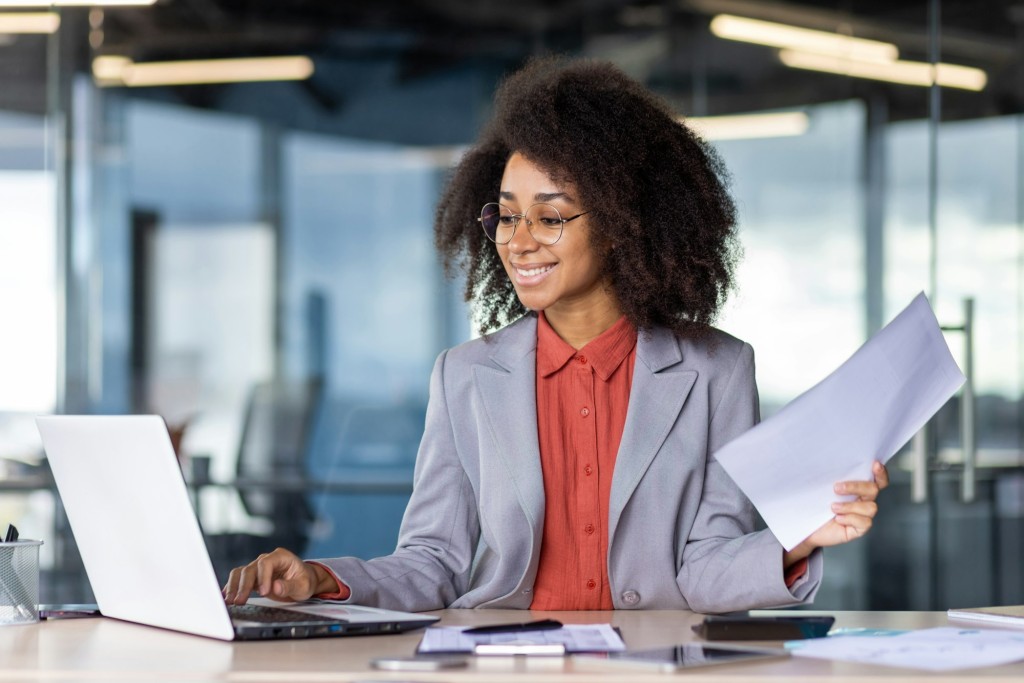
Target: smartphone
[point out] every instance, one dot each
(728, 627)
(418, 663)
(68, 611)
(676, 658)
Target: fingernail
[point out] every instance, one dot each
(839, 488)
(836, 507)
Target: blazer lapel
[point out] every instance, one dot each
(655, 400)
(509, 395)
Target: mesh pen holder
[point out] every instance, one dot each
(19, 582)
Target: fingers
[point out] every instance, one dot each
(279, 575)
(881, 474)
(861, 508)
(863, 490)
(853, 525)
(240, 584)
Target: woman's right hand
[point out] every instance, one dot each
(278, 575)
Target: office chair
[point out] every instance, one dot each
(272, 470)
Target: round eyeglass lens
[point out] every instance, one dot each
(492, 216)
(545, 223)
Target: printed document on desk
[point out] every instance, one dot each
(932, 649)
(574, 637)
(867, 409)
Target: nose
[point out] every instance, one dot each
(522, 240)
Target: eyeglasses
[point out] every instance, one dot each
(542, 220)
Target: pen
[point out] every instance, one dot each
(542, 625)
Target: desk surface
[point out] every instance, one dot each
(109, 650)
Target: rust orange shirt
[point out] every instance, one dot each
(581, 410)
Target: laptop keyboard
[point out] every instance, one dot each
(274, 615)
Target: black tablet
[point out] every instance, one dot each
(677, 657)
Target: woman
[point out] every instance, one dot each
(567, 460)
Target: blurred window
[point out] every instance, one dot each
(28, 257)
(801, 292)
(979, 246)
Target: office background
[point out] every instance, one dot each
(254, 261)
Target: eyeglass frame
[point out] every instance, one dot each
(517, 217)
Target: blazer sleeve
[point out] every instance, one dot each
(727, 565)
(431, 566)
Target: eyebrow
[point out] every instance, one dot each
(540, 197)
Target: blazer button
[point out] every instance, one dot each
(631, 597)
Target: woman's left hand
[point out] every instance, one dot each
(852, 519)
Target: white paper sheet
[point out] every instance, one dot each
(865, 410)
(933, 649)
(575, 638)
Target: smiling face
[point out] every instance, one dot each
(564, 279)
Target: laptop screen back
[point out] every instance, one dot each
(133, 521)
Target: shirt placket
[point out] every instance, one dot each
(587, 482)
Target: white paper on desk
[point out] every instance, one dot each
(934, 649)
(575, 638)
(865, 410)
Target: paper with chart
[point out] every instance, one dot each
(575, 638)
(867, 409)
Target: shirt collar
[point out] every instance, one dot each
(605, 353)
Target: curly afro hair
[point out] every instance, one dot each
(663, 222)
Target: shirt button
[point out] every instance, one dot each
(585, 411)
(588, 470)
(582, 360)
(591, 584)
(589, 528)
(631, 597)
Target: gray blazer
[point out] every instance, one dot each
(681, 534)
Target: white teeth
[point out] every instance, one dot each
(534, 271)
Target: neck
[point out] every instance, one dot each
(579, 326)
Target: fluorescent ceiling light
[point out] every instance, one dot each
(29, 22)
(747, 126)
(122, 71)
(900, 71)
(785, 36)
(75, 3)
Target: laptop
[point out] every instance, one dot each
(142, 547)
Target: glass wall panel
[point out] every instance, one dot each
(203, 263)
(801, 281)
(366, 308)
(956, 550)
(28, 315)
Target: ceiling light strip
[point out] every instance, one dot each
(112, 70)
(29, 22)
(750, 126)
(76, 3)
(773, 34)
(901, 71)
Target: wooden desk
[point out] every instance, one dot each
(109, 650)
